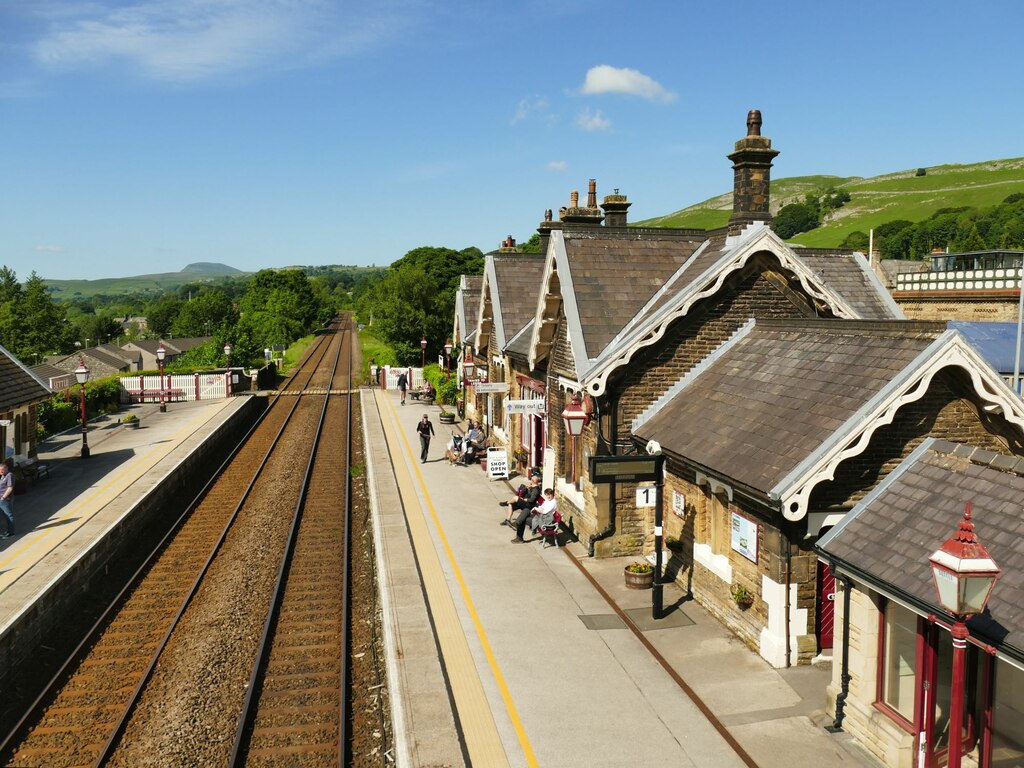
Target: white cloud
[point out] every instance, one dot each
(529, 106)
(592, 121)
(48, 249)
(189, 40)
(606, 79)
(558, 165)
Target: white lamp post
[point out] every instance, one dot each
(82, 375)
(161, 353)
(227, 366)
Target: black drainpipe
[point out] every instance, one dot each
(612, 419)
(844, 677)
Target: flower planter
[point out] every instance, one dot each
(638, 580)
(446, 418)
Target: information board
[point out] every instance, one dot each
(744, 537)
(497, 463)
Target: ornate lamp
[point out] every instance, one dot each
(447, 357)
(964, 575)
(423, 352)
(574, 418)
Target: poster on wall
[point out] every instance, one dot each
(678, 504)
(744, 537)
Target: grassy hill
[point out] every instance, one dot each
(156, 284)
(874, 201)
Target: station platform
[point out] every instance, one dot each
(61, 516)
(513, 654)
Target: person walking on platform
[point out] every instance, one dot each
(6, 503)
(403, 384)
(425, 429)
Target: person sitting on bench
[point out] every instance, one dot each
(539, 517)
(520, 506)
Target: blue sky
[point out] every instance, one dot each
(138, 136)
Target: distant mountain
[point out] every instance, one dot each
(873, 201)
(211, 268)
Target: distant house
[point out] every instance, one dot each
(174, 348)
(21, 391)
(99, 362)
(974, 285)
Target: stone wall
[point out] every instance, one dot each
(962, 307)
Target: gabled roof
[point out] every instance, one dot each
(467, 308)
(996, 342)
(889, 535)
(776, 409)
(507, 298)
(621, 291)
(128, 355)
(19, 387)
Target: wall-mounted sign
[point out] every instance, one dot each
(620, 469)
(646, 495)
(678, 504)
(525, 406)
(497, 463)
(744, 537)
(496, 387)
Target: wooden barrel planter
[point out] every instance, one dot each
(446, 418)
(638, 580)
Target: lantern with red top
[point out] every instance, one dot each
(423, 352)
(575, 418)
(964, 574)
(161, 354)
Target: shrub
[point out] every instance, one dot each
(921, 172)
(639, 567)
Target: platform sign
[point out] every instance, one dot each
(646, 495)
(623, 469)
(497, 463)
(537, 407)
(496, 387)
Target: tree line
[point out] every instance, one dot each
(958, 229)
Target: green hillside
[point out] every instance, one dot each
(202, 272)
(874, 201)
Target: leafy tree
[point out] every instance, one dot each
(33, 325)
(532, 245)
(793, 219)
(210, 312)
(160, 318)
(856, 241)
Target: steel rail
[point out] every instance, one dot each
(245, 720)
(345, 715)
(118, 731)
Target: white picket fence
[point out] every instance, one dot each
(188, 387)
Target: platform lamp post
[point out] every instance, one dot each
(964, 574)
(468, 369)
(423, 352)
(161, 353)
(448, 359)
(82, 375)
(227, 366)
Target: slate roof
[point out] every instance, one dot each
(19, 387)
(769, 398)
(889, 535)
(619, 288)
(614, 277)
(46, 373)
(513, 281)
(848, 273)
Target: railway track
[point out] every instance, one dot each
(230, 646)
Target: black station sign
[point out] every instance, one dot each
(625, 469)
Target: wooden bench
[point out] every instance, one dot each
(33, 471)
(140, 395)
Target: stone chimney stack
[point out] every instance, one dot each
(508, 245)
(544, 230)
(615, 207)
(575, 214)
(751, 165)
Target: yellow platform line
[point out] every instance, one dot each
(47, 539)
(481, 733)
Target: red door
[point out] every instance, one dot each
(826, 605)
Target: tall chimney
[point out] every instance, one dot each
(575, 214)
(615, 207)
(751, 165)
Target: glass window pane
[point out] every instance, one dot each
(900, 661)
(1008, 717)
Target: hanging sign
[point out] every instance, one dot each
(497, 463)
(525, 406)
(497, 387)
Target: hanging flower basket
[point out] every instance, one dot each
(639, 575)
(741, 596)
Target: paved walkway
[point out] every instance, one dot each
(564, 679)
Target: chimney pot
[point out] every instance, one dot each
(574, 199)
(751, 165)
(592, 194)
